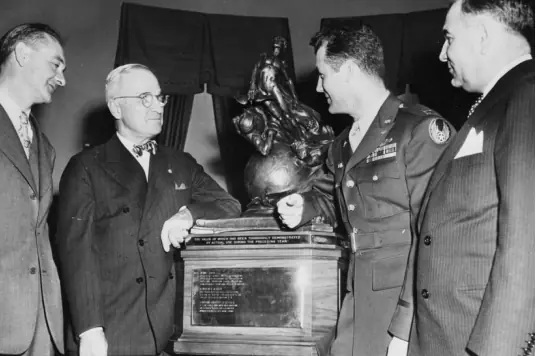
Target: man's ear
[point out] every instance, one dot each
(483, 32)
(22, 53)
(115, 109)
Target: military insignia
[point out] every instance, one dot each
(439, 131)
(382, 152)
(344, 143)
(401, 106)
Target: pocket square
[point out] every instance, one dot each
(473, 144)
(182, 186)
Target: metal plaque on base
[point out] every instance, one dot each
(260, 292)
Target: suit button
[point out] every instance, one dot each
(171, 276)
(33, 196)
(126, 209)
(139, 280)
(425, 294)
(351, 207)
(427, 240)
(141, 242)
(33, 270)
(350, 184)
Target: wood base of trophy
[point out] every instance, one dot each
(260, 292)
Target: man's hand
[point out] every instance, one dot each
(93, 343)
(176, 228)
(397, 347)
(290, 210)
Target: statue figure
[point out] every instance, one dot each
(288, 135)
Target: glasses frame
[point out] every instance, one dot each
(162, 99)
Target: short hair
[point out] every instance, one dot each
(30, 34)
(361, 45)
(516, 15)
(112, 80)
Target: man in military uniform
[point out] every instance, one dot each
(380, 168)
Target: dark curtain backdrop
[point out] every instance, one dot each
(177, 114)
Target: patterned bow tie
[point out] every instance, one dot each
(473, 107)
(149, 146)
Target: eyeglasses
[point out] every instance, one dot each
(147, 99)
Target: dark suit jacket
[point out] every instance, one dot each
(379, 189)
(474, 278)
(27, 270)
(114, 268)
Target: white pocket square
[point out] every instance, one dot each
(182, 186)
(473, 144)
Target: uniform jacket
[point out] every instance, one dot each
(379, 189)
(28, 273)
(115, 271)
(474, 286)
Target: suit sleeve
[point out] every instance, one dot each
(421, 156)
(209, 200)
(319, 200)
(506, 315)
(79, 264)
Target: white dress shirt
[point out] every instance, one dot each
(144, 160)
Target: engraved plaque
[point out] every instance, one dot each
(250, 297)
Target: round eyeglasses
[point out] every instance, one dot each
(147, 99)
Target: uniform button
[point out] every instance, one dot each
(139, 280)
(171, 276)
(374, 177)
(33, 196)
(350, 184)
(33, 270)
(126, 209)
(340, 165)
(141, 242)
(425, 294)
(427, 240)
(351, 207)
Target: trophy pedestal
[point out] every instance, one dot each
(260, 292)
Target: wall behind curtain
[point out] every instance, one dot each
(90, 28)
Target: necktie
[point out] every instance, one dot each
(149, 146)
(24, 133)
(355, 136)
(473, 107)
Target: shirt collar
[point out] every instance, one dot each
(505, 70)
(11, 108)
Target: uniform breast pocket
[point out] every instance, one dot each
(382, 190)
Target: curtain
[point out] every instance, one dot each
(234, 149)
(177, 114)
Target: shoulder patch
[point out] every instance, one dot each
(439, 131)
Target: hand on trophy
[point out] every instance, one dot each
(176, 229)
(290, 210)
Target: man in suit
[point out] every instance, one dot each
(122, 205)
(379, 169)
(474, 278)
(31, 68)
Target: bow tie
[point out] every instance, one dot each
(149, 146)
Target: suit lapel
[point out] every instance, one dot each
(159, 173)
(123, 167)
(502, 89)
(12, 148)
(45, 166)
(377, 131)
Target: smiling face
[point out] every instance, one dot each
(44, 64)
(332, 83)
(135, 121)
(461, 49)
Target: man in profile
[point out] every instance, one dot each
(122, 206)
(32, 63)
(474, 278)
(379, 168)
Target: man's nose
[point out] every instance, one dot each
(60, 79)
(443, 53)
(319, 87)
